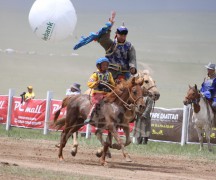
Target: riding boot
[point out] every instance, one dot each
(214, 120)
(145, 140)
(139, 140)
(90, 115)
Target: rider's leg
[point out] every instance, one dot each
(214, 106)
(214, 110)
(96, 98)
(90, 115)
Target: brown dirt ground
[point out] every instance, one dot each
(42, 154)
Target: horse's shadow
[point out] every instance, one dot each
(131, 166)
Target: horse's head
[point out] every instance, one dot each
(134, 87)
(193, 95)
(149, 86)
(129, 93)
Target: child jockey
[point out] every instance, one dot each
(95, 83)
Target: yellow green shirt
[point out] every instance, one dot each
(98, 76)
(30, 95)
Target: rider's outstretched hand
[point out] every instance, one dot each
(112, 18)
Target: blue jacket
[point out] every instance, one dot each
(208, 88)
(93, 36)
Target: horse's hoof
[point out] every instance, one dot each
(73, 153)
(116, 146)
(108, 154)
(128, 159)
(103, 163)
(98, 154)
(61, 159)
(57, 145)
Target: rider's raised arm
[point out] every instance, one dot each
(104, 39)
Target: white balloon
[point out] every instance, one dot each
(52, 20)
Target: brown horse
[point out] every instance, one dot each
(149, 89)
(109, 116)
(203, 115)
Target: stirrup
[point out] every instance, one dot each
(87, 121)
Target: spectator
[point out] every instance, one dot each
(74, 89)
(29, 95)
(142, 128)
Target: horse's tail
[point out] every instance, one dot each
(58, 124)
(65, 102)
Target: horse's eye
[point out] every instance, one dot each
(146, 81)
(134, 91)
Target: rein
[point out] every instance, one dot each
(195, 102)
(147, 89)
(128, 106)
(151, 87)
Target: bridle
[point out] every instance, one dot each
(128, 106)
(134, 100)
(147, 93)
(194, 101)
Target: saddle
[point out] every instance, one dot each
(97, 115)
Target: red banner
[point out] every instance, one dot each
(29, 114)
(56, 105)
(3, 109)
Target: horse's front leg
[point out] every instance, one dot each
(115, 134)
(200, 136)
(103, 157)
(127, 134)
(208, 134)
(99, 136)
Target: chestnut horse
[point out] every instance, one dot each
(109, 116)
(203, 115)
(149, 89)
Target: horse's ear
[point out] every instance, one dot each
(189, 86)
(195, 86)
(146, 71)
(133, 80)
(141, 81)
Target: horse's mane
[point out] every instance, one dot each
(118, 90)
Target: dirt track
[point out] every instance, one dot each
(42, 154)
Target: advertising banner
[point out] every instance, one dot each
(30, 114)
(166, 124)
(3, 109)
